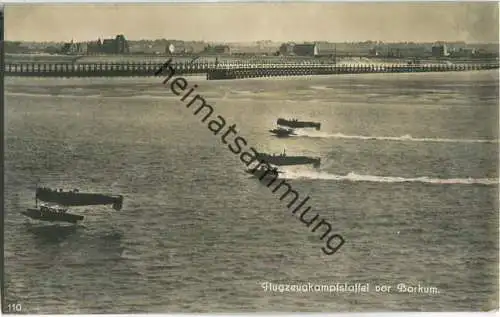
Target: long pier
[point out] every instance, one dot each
(221, 71)
(143, 69)
(299, 70)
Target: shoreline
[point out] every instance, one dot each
(82, 59)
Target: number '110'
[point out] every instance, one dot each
(14, 308)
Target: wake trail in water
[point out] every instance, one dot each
(353, 177)
(403, 138)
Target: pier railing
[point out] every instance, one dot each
(302, 70)
(226, 70)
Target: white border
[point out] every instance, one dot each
(379, 314)
(224, 1)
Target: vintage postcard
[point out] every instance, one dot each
(250, 157)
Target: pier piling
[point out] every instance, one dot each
(220, 71)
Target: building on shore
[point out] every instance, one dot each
(170, 49)
(326, 49)
(217, 49)
(374, 52)
(292, 49)
(305, 50)
(260, 48)
(94, 47)
(286, 49)
(176, 48)
(121, 44)
(464, 52)
(118, 45)
(439, 50)
(73, 48)
(180, 47)
(108, 46)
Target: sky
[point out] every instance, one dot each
(248, 22)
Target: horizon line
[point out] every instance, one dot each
(271, 41)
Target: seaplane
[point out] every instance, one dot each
(75, 198)
(283, 132)
(270, 170)
(46, 212)
(263, 173)
(283, 159)
(58, 212)
(294, 123)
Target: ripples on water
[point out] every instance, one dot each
(408, 177)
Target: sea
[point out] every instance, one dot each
(408, 178)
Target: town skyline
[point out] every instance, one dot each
(269, 42)
(415, 22)
(254, 42)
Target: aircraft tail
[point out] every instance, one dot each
(118, 204)
(317, 163)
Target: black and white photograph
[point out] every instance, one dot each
(250, 157)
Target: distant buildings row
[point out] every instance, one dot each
(438, 50)
(323, 49)
(327, 49)
(179, 48)
(118, 45)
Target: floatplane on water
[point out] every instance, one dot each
(283, 132)
(286, 128)
(58, 212)
(75, 198)
(46, 212)
(295, 123)
(271, 171)
(264, 173)
(284, 159)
